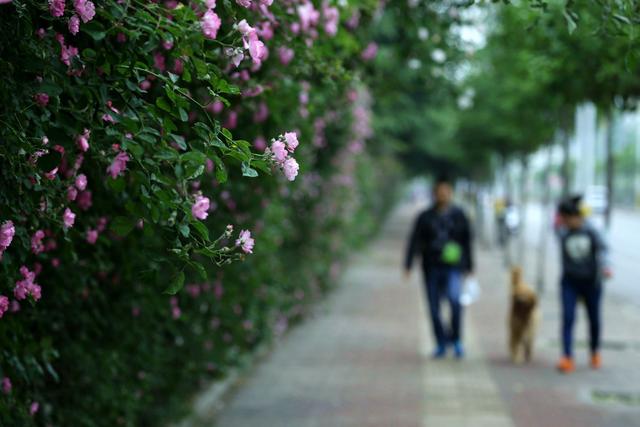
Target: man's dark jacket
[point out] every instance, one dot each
(432, 230)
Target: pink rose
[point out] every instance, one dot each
(279, 151)
(291, 138)
(4, 306)
(74, 24)
(6, 385)
(92, 236)
(56, 7)
(200, 207)
(245, 241)
(7, 231)
(290, 168)
(81, 182)
(36, 242)
(68, 218)
(86, 9)
(285, 55)
(82, 141)
(118, 165)
(210, 24)
(42, 99)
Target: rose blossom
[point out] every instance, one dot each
(86, 9)
(4, 305)
(82, 141)
(331, 20)
(6, 385)
(210, 24)
(68, 218)
(285, 55)
(72, 193)
(74, 24)
(279, 151)
(81, 182)
(42, 99)
(33, 408)
(200, 207)
(290, 168)
(56, 7)
(27, 286)
(7, 231)
(370, 51)
(245, 241)
(291, 138)
(36, 242)
(92, 236)
(118, 165)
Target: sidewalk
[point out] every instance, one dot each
(363, 360)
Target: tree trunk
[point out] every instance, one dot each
(524, 199)
(566, 163)
(609, 173)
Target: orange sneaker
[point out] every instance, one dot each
(596, 361)
(566, 365)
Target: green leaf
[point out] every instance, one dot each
(227, 133)
(122, 225)
(194, 156)
(134, 148)
(178, 139)
(199, 268)
(163, 104)
(94, 29)
(201, 229)
(183, 114)
(168, 125)
(221, 170)
(571, 22)
(248, 170)
(184, 229)
(192, 172)
(176, 284)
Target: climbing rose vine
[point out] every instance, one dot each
(145, 149)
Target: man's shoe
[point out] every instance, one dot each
(440, 352)
(566, 365)
(458, 349)
(596, 361)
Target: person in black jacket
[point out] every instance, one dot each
(442, 237)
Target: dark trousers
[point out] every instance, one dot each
(444, 282)
(590, 292)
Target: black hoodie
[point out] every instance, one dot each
(432, 230)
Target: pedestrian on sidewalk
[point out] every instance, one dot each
(584, 266)
(442, 237)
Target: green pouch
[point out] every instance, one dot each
(451, 253)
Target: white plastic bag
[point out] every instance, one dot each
(470, 291)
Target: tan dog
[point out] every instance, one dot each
(523, 318)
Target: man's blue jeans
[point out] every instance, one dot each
(444, 282)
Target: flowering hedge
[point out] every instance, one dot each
(145, 147)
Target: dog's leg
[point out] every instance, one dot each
(514, 348)
(528, 348)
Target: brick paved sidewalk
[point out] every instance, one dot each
(363, 360)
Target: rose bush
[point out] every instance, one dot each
(145, 147)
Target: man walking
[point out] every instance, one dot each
(442, 236)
